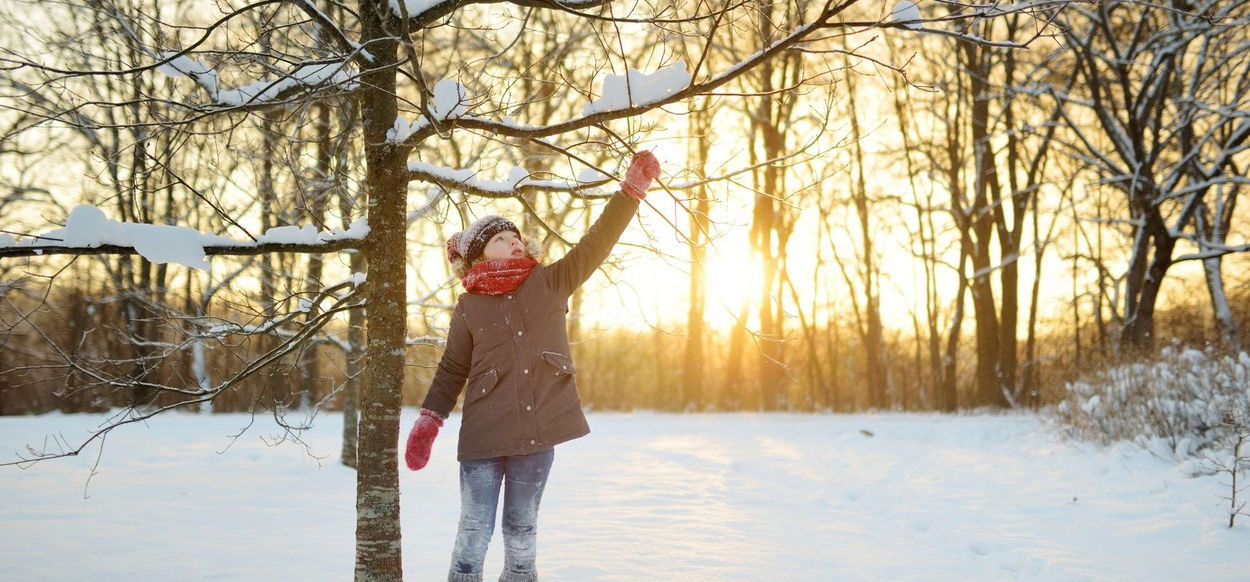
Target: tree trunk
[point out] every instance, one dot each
(1225, 324)
(731, 389)
(323, 180)
(356, 339)
(763, 223)
(948, 389)
(1152, 256)
(1213, 228)
(930, 332)
(977, 229)
(872, 333)
(768, 222)
(700, 124)
(1031, 383)
(378, 556)
(268, 282)
(948, 380)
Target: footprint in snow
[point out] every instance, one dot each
(981, 548)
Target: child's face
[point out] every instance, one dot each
(505, 245)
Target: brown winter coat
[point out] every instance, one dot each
(514, 351)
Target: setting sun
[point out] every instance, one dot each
(732, 281)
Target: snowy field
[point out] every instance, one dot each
(646, 497)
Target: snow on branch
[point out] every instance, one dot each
(636, 92)
(630, 91)
(451, 101)
(216, 328)
(636, 89)
(412, 8)
(328, 24)
(426, 340)
(1212, 251)
(88, 231)
(518, 181)
(907, 15)
(309, 77)
(425, 11)
(176, 64)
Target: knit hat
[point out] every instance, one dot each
(468, 244)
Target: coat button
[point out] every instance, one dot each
(520, 333)
(509, 297)
(529, 408)
(525, 371)
(532, 442)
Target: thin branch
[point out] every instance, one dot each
(231, 250)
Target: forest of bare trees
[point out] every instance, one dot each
(966, 210)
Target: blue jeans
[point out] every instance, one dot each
(523, 478)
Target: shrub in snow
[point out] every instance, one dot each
(1234, 464)
(1183, 398)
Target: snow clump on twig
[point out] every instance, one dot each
(907, 14)
(635, 88)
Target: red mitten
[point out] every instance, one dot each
(642, 170)
(421, 439)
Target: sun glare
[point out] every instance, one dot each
(732, 280)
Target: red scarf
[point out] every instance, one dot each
(498, 276)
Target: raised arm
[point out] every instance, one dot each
(568, 273)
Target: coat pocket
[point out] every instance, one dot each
(562, 364)
(480, 386)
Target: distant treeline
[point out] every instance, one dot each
(617, 370)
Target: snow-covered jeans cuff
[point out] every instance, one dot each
(505, 577)
(514, 577)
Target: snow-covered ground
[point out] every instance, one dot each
(646, 497)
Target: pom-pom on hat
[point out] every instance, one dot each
(468, 244)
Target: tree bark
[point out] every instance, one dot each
(1212, 229)
(872, 333)
(378, 556)
(323, 179)
(700, 125)
(948, 388)
(355, 356)
(977, 229)
(1152, 256)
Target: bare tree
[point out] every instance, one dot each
(868, 273)
(1155, 115)
(694, 370)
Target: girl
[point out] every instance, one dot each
(508, 340)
